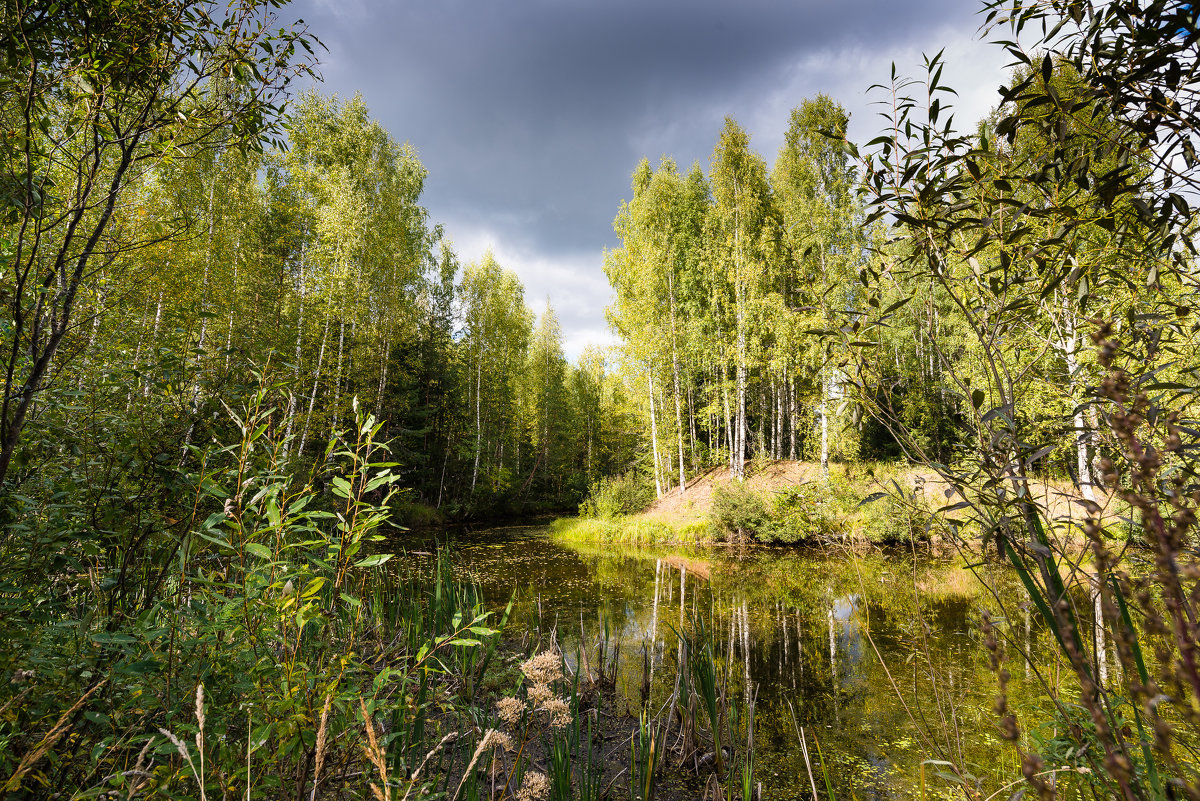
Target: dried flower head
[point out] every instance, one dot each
(559, 712)
(544, 667)
(539, 694)
(510, 711)
(494, 738)
(535, 787)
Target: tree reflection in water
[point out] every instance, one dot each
(795, 628)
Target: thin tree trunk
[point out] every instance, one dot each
(679, 430)
(824, 390)
(387, 352)
(153, 341)
(824, 429)
(478, 418)
(291, 408)
(1098, 627)
(740, 439)
(675, 378)
(187, 439)
(137, 353)
(692, 427)
(442, 480)
(1083, 464)
(91, 343)
(654, 435)
(312, 398)
(728, 422)
(337, 381)
(232, 295)
(791, 391)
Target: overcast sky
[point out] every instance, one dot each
(530, 115)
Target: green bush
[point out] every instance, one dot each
(805, 512)
(617, 495)
(740, 512)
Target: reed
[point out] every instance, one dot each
(644, 755)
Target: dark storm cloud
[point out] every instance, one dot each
(531, 114)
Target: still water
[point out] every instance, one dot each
(878, 658)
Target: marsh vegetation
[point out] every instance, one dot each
(238, 363)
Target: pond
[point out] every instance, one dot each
(878, 658)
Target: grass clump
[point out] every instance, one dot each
(845, 507)
(630, 531)
(739, 511)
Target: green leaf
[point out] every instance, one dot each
(259, 550)
(213, 520)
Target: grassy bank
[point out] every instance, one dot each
(779, 503)
(793, 503)
(632, 530)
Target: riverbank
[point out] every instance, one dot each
(792, 503)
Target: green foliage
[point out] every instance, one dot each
(806, 512)
(272, 613)
(1069, 211)
(803, 513)
(739, 511)
(612, 496)
(848, 507)
(104, 93)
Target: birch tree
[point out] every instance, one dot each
(744, 232)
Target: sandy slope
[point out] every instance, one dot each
(768, 476)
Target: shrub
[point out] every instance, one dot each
(739, 511)
(804, 512)
(617, 495)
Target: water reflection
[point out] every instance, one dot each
(876, 657)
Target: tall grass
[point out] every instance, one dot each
(632, 531)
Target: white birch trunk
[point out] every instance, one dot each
(478, 418)
(337, 380)
(1101, 645)
(187, 439)
(312, 398)
(791, 390)
(824, 429)
(232, 294)
(675, 377)
(654, 436)
(383, 374)
(1083, 464)
(291, 408)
